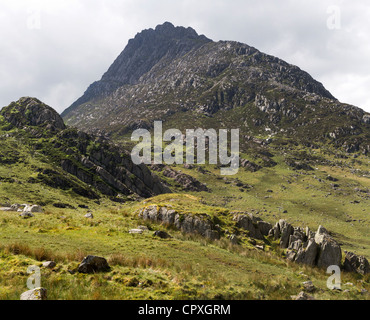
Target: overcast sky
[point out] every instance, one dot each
(54, 49)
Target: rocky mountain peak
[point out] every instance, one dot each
(145, 50)
(28, 111)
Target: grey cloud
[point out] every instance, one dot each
(78, 40)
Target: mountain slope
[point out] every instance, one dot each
(217, 84)
(142, 53)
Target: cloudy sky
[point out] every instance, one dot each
(53, 50)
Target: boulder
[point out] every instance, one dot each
(144, 228)
(162, 234)
(34, 294)
(308, 286)
(93, 264)
(303, 296)
(264, 227)
(355, 263)
(136, 231)
(275, 232)
(6, 209)
(49, 264)
(286, 230)
(33, 208)
(234, 239)
(246, 222)
(330, 252)
(308, 255)
(89, 215)
(26, 215)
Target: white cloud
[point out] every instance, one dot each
(54, 49)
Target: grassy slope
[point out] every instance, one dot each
(143, 267)
(185, 267)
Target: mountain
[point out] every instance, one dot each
(298, 204)
(174, 75)
(70, 159)
(149, 47)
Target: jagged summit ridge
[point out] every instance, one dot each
(140, 55)
(174, 75)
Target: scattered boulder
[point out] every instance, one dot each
(162, 234)
(34, 294)
(89, 215)
(49, 264)
(308, 286)
(33, 208)
(355, 263)
(234, 239)
(303, 296)
(136, 231)
(26, 215)
(93, 264)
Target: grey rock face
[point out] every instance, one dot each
(264, 227)
(93, 264)
(308, 255)
(185, 223)
(355, 263)
(329, 250)
(246, 222)
(282, 229)
(286, 230)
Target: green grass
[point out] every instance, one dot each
(143, 267)
(186, 266)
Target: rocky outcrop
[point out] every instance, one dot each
(187, 182)
(306, 254)
(355, 263)
(250, 224)
(187, 223)
(282, 230)
(29, 111)
(329, 250)
(314, 249)
(93, 160)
